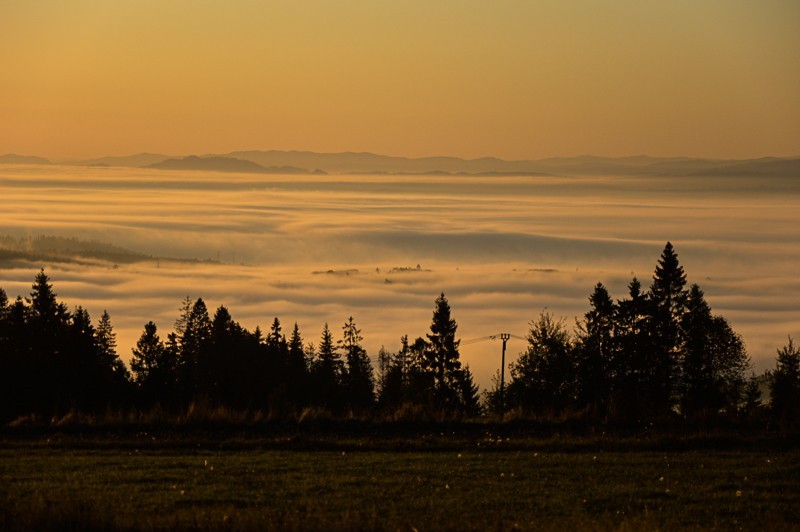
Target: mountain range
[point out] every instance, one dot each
(306, 162)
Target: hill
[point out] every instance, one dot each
(223, 164)
(307, 162)
(11, 158)
(132, 161)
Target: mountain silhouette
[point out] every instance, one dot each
(11, 158)
(223, 164)
(307, 162)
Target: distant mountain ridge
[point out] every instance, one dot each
(223, 164)
(12, 158)
(307, 162)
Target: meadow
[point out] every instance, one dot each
(451, 478)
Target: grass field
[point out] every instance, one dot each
(152, 481)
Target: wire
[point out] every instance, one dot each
(476, 340)
(490, 337)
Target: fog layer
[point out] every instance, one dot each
(501, 248)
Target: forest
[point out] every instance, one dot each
(658, 354)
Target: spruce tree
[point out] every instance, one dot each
(196, 327)
(715, 361)
(468, 392)
(297, 369)
(358, 377)
(151, 369)
(595, 352)
(327, 370)
(117, 377)
(46, 329)
(785, 385)
(668, 298)
(441, 357)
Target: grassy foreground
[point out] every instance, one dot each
(491, 483)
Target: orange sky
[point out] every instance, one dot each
(511, 78)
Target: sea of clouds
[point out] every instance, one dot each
(317, 249)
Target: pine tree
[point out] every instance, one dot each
(46, 325)
(196, 326)
(358, 378)
(152, 371)
(785, 385)
(595, 352)
(297, 369)
(81, 372)
(326, 372)
(441, 357)
(668, 298)
(117, 377)
(468, 392)
(714, 361)
(219, 363)
(277, 366)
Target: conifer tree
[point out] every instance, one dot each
(327, 372)
(153, 372)
(595, 352)
(468, 392)
(118, 378)
(668, 298)
(46, 323)
(277, 362)
(80, 368)
(785, 385)
(297, 370)
(358, 378)
(714, 361)
(196, 327)
(441, 356)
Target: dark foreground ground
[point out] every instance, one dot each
(424, 479)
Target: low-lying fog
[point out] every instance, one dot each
(501, 248)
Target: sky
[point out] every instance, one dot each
(510, 78)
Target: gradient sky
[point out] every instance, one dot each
(514, 79)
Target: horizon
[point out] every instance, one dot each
(230, 153)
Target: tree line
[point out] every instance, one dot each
(655, 354)
(651, 355)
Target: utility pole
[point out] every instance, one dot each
(504, 337)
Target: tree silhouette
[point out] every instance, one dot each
(196, 332)
(785, 385)
(358, 380)
(543, 379)
(153, 368)
(47, 322)
(116, 384)
(441, 357)
(326, 373)
(714, 360)
(297, 370)
(595, 353)
(668, 299)
(468, 392)
(631, 394)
